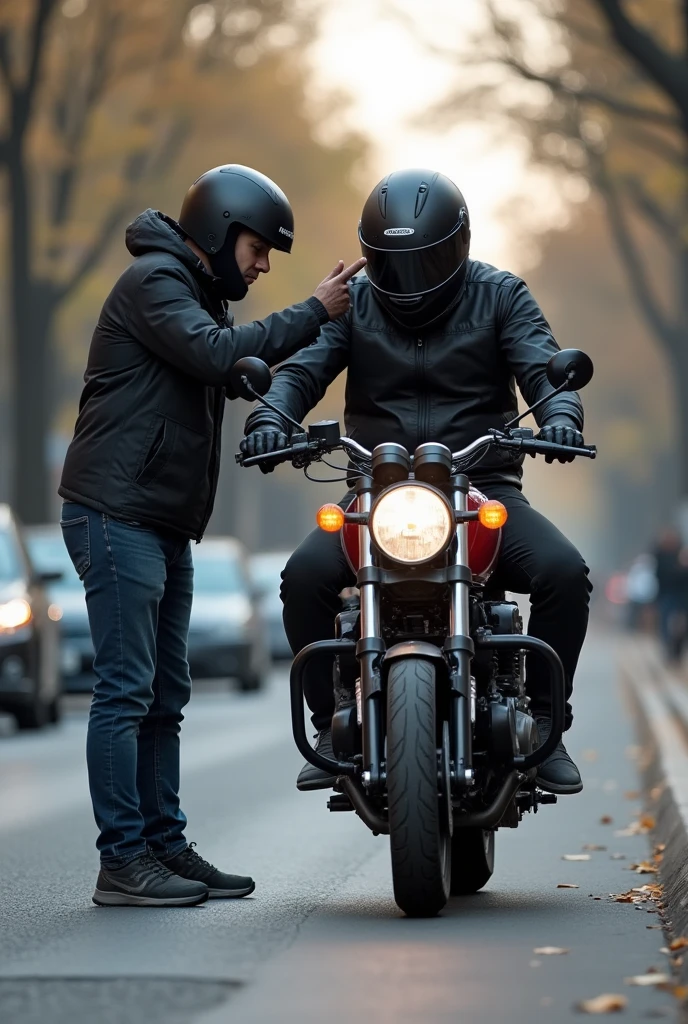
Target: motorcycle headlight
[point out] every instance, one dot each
(412, 523)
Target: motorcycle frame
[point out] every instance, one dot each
(367, 778)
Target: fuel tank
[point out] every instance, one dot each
(483, 544)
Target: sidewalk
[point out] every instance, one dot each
(659, 700)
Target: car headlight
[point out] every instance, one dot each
(412, 523)
(15, 613)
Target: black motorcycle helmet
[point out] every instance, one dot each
(224, 201)
(415, 233)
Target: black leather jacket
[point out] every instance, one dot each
(146, 445)
(447, 384)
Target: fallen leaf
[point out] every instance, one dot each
(643, 868)
(657, 791)
(606, 1003)
(680, 991)
(647, 821)
(632, 794)
(680, 943)
(651, 926)
(567, 885)
(576, 856)
(550, 951)
(648, 979)
(593, 846)
(606, 819)
(659, 848)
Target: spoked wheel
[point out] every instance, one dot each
(472, 860)
(419, 837)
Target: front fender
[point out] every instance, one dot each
(413, 649)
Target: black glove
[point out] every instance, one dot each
(264, 439)
(561, 431)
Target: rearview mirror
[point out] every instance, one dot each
(571, 367)
(254, 372)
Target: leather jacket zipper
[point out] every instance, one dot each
(422, 396)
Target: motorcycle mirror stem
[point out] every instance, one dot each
(567, 370)
(268, 405)
(536, 405)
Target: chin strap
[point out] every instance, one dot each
(223, 264)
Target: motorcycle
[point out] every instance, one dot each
(434, 739)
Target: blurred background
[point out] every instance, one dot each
(564, 124)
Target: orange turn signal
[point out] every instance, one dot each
(492, 514)
(330, 518)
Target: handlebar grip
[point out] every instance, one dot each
(551, 448)
(280, 455)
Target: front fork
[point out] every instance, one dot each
(459, 648)
(369, 650)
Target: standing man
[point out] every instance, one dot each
(139, 481)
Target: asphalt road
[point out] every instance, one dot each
(321, 939)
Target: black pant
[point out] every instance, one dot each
(535, 558)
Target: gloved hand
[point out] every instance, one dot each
(268, 438)
(561, 430)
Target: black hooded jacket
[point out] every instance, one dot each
(447, 383)
(146, 446)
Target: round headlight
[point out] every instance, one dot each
(412, 523)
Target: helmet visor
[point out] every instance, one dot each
(415, 271)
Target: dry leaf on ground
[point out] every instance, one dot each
(550, 951)
(606, 819)
(680, 991)
(643, 867)
(606, 1003)
(680, 943)
(567, 885)
(593, 846)
(576, 856)
(648, 979)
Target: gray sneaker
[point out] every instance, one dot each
(145, 882)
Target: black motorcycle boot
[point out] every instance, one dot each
(311, 777)
(189, 864)
(145, 882)
(558, 773)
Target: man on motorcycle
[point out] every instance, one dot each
(434, 344)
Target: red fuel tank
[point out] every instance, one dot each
(483, 544)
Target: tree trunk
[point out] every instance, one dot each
(32, 310)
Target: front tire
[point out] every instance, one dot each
(472, 860)
(420, 846)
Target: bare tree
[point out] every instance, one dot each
(606, 98)
(95, 98)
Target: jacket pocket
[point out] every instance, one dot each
(158, 451)
(77, 538)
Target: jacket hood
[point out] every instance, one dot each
(153, 231)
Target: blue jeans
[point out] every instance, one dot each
(139, 588)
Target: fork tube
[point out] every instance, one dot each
(460, 647)
(369, 650)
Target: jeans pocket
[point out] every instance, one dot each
(77, 538)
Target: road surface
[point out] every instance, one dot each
(321, 939)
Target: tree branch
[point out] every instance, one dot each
(659, 218)
(94, 252)
(669, 72)
(630, 257)
(24, 95)
(617, 106)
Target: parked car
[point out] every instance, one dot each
(265, 575)
(227, 634)
(49, 554)
(29, 641)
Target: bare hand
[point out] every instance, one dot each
(333, 292)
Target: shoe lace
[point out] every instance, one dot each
(152, 865)
(190, 855)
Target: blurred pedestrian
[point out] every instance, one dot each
(139, 481)
(672, 593)
(641, 591)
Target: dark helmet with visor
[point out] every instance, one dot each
(224, 201)
(415, 234)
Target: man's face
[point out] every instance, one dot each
(251, 254)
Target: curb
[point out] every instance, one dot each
(659, 699)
